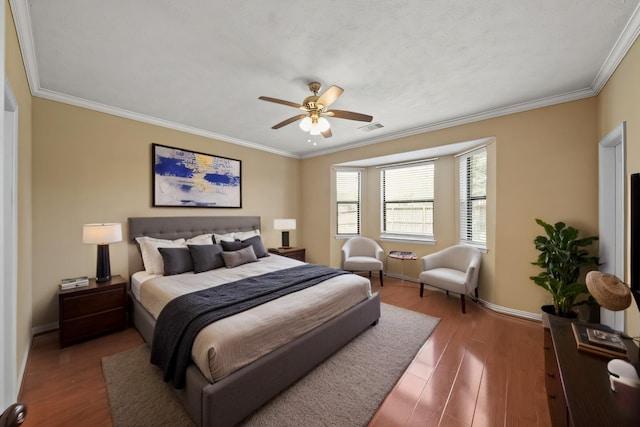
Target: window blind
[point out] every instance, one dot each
(348, 201)
(473, 197)
(407, 200)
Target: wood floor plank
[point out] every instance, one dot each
(478, 369)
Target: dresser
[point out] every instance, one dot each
(578, 391)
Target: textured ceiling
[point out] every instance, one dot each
(414, 65)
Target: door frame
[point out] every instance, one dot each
(612, 179)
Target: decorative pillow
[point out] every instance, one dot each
(254, 241)
(258, 247)
(203, 239)
(206, 257)
(151, 258)
(176, 260)
(244, 235)
(235, 245)
(218, 238)
(242, 256)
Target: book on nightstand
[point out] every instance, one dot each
(603, 343)
(74, 282)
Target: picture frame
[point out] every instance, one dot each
(186, 178)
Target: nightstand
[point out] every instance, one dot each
(92, 310)
(295, 253)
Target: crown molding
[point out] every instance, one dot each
(22, 21)
(498, 112)
(119, 112)
(621, 47)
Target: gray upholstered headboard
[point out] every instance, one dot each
(182, 226)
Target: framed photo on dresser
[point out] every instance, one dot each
(192, 179)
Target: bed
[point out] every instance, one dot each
(230, 397)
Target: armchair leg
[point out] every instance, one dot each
(381, 284)
(421, 289)
(462, 302)
(369, 274)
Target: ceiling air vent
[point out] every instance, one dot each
(372, 126)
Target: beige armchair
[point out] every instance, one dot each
(362, 254)
(453, 269)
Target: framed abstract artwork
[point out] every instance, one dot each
(192, 179)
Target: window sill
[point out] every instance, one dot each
(414, 240)
(482, 248)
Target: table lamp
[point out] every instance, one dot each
(102, 235)
(285, 225)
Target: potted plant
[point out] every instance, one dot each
(562, 257)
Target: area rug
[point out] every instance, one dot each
(345, 390)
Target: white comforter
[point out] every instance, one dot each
(233, 342)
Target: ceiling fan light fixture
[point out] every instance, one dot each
(315, 129)
(306, 124)
(323, 124)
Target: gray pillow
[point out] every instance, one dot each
(255, 241)
(239, 257)
(206, 257)
(176, 260)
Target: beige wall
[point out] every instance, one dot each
(545, 166)
(620, 101)
(17, 79)
(79, 166)
(94, 167)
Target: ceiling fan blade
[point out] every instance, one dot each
(350, 115)
(326, 133)
(283, 102)
(329, 96)
(288, 121)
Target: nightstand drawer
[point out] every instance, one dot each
(86, 304)
(294, 253)
(77, 329)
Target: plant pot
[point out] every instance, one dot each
(550, 310)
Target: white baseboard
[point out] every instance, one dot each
(401, 277)
(23, 368)
(44, 328)
(511, 311)
(493, 307)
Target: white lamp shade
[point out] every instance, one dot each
(102, 233)
(284, 224)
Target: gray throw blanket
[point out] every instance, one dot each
(183, 317)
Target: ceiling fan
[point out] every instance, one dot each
(315, 108)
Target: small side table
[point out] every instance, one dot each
(92, 310)
(402, 256)
(295, 253)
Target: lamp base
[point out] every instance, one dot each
(103, 267)
(285, 240)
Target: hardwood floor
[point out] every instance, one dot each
(476, 369)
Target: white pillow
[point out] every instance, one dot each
(224, 237)
(203, 239)
(151, 256)
(244, 235)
